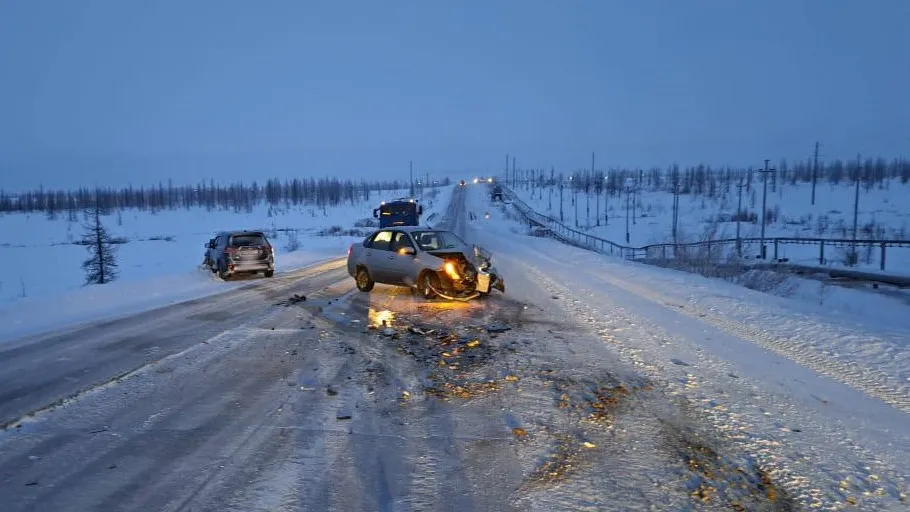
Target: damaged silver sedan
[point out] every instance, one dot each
(436, 263)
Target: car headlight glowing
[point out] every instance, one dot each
(450, 270)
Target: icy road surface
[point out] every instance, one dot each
(571, 392)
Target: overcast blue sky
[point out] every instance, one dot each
(119, 91)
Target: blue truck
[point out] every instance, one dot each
(400, 212)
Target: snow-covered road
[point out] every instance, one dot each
(822, 402)
(590, 385)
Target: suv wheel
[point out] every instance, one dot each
(269, 273)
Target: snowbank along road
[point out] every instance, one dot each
(552, 397)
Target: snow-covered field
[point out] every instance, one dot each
(818, 394)
(43, 289)
(883, 214)
(728, 397)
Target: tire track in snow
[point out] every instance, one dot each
(871, 382)
(880, 483)
(765, 449)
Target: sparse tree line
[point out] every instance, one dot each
(622, 188)
(240, 197)
(101, 266)
(704, 180)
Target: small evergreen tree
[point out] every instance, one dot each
(101, 266)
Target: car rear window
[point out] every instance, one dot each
(247, 240)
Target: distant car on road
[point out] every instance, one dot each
(496, 194)
(437, 263)
(240, 252)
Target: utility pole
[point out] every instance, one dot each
(588, 185)
(411, 176)
(550, 190)
(675, 206)
(739, 213)
(575, 199)
(513, 169)
(854, 258)
(606, 199)
(561, 186)
(507, 172)
(764, 205)
(628, 190)
(814, 173)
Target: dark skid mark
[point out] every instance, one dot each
(715, 475)
(213, 316)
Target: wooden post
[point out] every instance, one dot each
(821, 253)
(883, 256)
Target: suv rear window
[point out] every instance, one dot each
(247, 240)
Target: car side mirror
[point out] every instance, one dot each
(420, 210)
(210, 244)
(407, 251)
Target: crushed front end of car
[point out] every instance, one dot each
(467, 276)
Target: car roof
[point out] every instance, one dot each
(412, 228)
(241, 232)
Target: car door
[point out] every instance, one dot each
(401, 266)
(376, 256)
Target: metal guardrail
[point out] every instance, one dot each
(720, 249)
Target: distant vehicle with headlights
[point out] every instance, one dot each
(434, 262)
(400, 212)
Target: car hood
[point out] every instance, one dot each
(474, 254)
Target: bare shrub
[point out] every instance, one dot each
(847, 256)
(703, 257)
(366, 223)
(339, 231)
(293, 242)
(822, 224)
(766, 281)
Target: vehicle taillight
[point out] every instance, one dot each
(230, 251)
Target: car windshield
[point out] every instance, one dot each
(435, 240)
(247, 240)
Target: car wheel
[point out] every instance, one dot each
(269, 273)
(364, 281)
(426, 285)
(222, 272)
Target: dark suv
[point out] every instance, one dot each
(240, 252)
